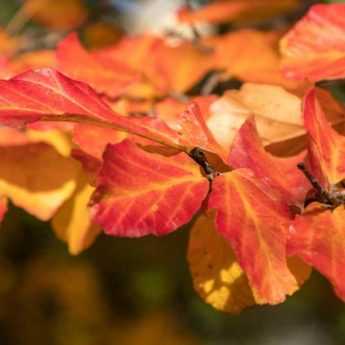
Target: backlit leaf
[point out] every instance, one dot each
(255, 222)
(217, 276)
(279, 173)
(314, 48)
(72, 223)
(141, 193)
(317, 237)
(326, 147)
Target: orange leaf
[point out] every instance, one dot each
(314, 49)
(93, 140)
(234, 55)
(255, 222)
(110, 77)
(195, 133)
(317, 237)
(326, 147)
(141, 193)
(279, 173)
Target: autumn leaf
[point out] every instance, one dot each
(141, 193)
(217, 276)
(47, 95)
(93, 140)
(326, 147)
(194, 131)
(277, 113)
(317, 237)
(111, 77)
(314, 49)
(35, 177)
(72, 222)
(255, 222)
(279, 173)
(233, 55)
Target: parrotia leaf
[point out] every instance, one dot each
(255, 222)
(141, 193)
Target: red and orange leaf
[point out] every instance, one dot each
(326, 147)
(48, 95)
(314, 49)
(141, 193)
(195, 133)
(110, 77)
(93, 140)
(317, 237)
(255, 222)
(279, 173)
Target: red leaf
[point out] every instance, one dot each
(49, 95)
(315, 47)
(326, 147)
(318, 237)
(255, 223)
(279, 173)
(141, 193)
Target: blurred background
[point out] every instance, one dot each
(129, 291)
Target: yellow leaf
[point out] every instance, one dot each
(37, 178)
(72, 222)
(217, 276)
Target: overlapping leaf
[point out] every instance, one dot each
(326, 146)
(141, 193)
(217, 276)
(317, 237)
(255, 223)
(279, 173)
(72, 223)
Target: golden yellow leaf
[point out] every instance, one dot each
(217, 276)
(72, 222)
(37, 178)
